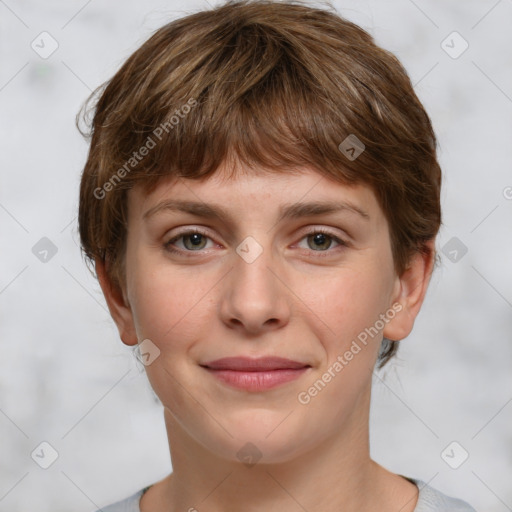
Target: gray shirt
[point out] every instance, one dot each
(429, 500)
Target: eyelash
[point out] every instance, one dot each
(168, 245)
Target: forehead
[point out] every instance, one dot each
(250, 190)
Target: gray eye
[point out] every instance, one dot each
(319, 240)
(197, 240)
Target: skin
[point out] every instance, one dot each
(291, 302)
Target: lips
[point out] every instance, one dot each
(256, 375)
(247, 364)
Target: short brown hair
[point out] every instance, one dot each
(277, 85)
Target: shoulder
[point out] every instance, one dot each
(429, 500)
(130, 504)
(432, 500)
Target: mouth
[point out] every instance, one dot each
(255, 374)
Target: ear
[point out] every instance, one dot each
(410, 290)
(118, 305)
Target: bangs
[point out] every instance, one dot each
(251, 101)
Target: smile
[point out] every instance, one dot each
(257, 380)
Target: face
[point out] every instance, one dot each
(271, 275)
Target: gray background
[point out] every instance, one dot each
(67, 379)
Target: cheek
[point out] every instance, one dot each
(344, 315)
(347, 301)
(169, 304)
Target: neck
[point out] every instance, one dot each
(336, 473)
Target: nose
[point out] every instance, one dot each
(255, 298)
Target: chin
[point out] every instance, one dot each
(256, 441)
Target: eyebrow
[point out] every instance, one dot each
(286, 211)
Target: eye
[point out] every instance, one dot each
(320, 240)
(193, 240)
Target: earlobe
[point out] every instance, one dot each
(411, 290)
(118, 305)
